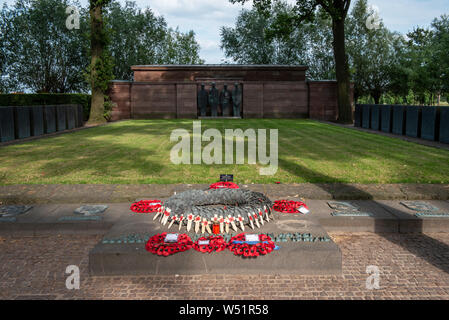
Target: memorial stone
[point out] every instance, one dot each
(430, 123)
(386, 118)
(22, 122)
(398, 120)
(61, 118)
(375, 117)
(6, 124)
(444, 125)
(413, 121)
(37, 120)
(50, 119)
(366, 116)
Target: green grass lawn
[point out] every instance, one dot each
(134, 151)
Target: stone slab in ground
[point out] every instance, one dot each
(293, 257)
(410, 223)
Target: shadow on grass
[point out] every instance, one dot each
(429, 249)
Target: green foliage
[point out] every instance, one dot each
(140, 37)
(38, 51)
(47, 99)
(39, 54)
(273, 37)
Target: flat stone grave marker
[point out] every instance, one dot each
(421, 206)
(342, 206)
(13, 210)
(86, 213)
(91, 210)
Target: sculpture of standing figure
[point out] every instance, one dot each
(225, 101)
(236, 100)
(213, 100)
(203, 98)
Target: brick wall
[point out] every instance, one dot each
(268, 92)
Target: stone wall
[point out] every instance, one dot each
(268, 92)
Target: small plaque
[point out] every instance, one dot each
(252, 237)
(13, 210)
(419, 206)
(342, 206)
(226, 177)
(171, 237)
(203, 242)
(91, 210)
(80, 218)
(432, 214)
(351, 214)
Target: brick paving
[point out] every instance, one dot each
(411, 267)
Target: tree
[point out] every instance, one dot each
(337, 9)
(370, 51)
(100, 69)
(140, 37)
(255, 39)
(39, 52)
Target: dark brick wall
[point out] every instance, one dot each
(268, 92)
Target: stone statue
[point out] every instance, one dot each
(213, 100)
(225, 101)
(203, 98)
(236, 100)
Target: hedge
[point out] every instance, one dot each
(47, 99)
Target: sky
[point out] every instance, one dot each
(206, 17)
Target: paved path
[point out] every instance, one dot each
(88, 193)
(411, 267)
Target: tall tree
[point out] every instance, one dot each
(101, 62)
(337, 10)
(40, 52)
(140, 37)
(370, 52)
(255, 39)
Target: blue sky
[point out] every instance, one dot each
(205, 17)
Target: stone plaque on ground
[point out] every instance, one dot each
(366, 116)
(419, 206)
(6, 124)
(375, 117)
(91, 210)
(342, 206)
(413, 121)
(50, 119)
(37, 120)
(430, 123)
(13, 210)
(398, 126)
(22, 122)
(61, 121)
(386, 118)
(71, 117)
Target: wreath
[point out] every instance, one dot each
(240, 247)
(288, 206)
(216, 243)
(157, 245)
(223, 184)
(146, 206)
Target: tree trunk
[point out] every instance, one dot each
(97, 102)
(342, 71)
